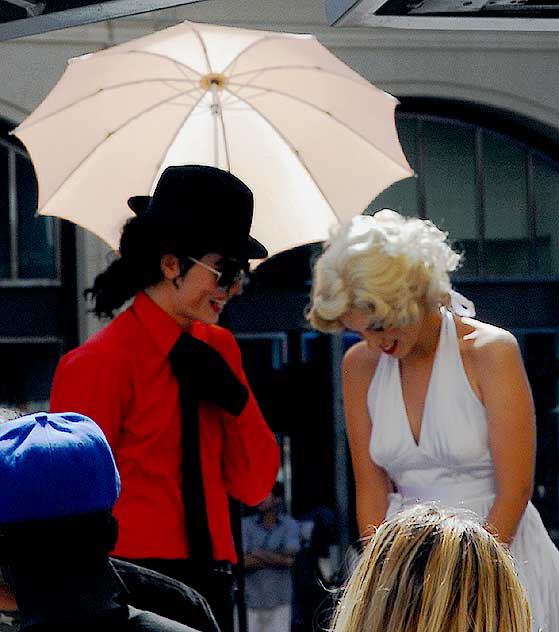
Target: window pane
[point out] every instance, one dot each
(546, 191)
(508, 245)
(4, 215)
(402, 196)
(26, 373)
(450, 189)
(35, 234)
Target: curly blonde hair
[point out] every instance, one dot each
(386, 263)
(433, 569)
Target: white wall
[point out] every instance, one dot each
(512, 71)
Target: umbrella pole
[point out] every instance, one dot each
(216, 83)
(216, 110)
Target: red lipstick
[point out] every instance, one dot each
(390, 349)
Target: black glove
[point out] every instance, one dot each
(206, 373)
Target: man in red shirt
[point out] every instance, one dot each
(166, 383)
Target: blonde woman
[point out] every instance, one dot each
(438, 406)
(429, 569)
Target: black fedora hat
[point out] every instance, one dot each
(212, 208)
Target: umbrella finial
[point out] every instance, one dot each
(213, 80)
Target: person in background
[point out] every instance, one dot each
(167, 386)
(430, 568)
(271, 540)
(438, 405)
(59, 485)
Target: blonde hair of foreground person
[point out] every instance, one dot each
(387, 264)
(433, 570)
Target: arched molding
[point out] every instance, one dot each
(531, 131)
(513, 110)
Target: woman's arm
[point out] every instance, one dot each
(507, 398)
(372, 484)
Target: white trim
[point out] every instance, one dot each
(528, 25)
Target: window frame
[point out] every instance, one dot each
(482, 121)
(14, 280)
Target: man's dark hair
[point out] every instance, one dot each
(142, 244)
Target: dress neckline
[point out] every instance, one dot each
(442, 331)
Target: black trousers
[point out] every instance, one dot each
(214, 581)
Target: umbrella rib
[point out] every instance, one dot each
(204, 48)
(23, 126)
(315, 107)
(265, 38)
(175, 62)
(263, 69)
(293, 150)
(179, 128)
(229, 98)
(168, 83)
(118, 129)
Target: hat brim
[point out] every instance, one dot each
(255, 250)
(139, 203)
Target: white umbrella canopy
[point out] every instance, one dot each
(314, 140)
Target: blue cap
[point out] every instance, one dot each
(54, 465)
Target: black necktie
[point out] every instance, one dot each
(202, 375)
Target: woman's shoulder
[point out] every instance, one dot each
(484, 342)
(360, 360)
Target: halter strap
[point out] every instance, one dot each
(461, 305)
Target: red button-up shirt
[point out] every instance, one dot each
(122, 378)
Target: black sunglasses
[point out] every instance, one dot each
(229, 273)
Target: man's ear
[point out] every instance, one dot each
(170, 267)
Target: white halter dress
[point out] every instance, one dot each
(452, 463)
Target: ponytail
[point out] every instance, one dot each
(142, 244)
(137, 267)
(112, 288)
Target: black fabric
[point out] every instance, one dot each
(148, 621)
(214, 582)
(202, 375)
(64, 588)
(137, 586)
(124, 619)
(207, 374)
(166, 596)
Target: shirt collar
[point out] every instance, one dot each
(161, 326)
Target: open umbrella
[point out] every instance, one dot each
(314, 140)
